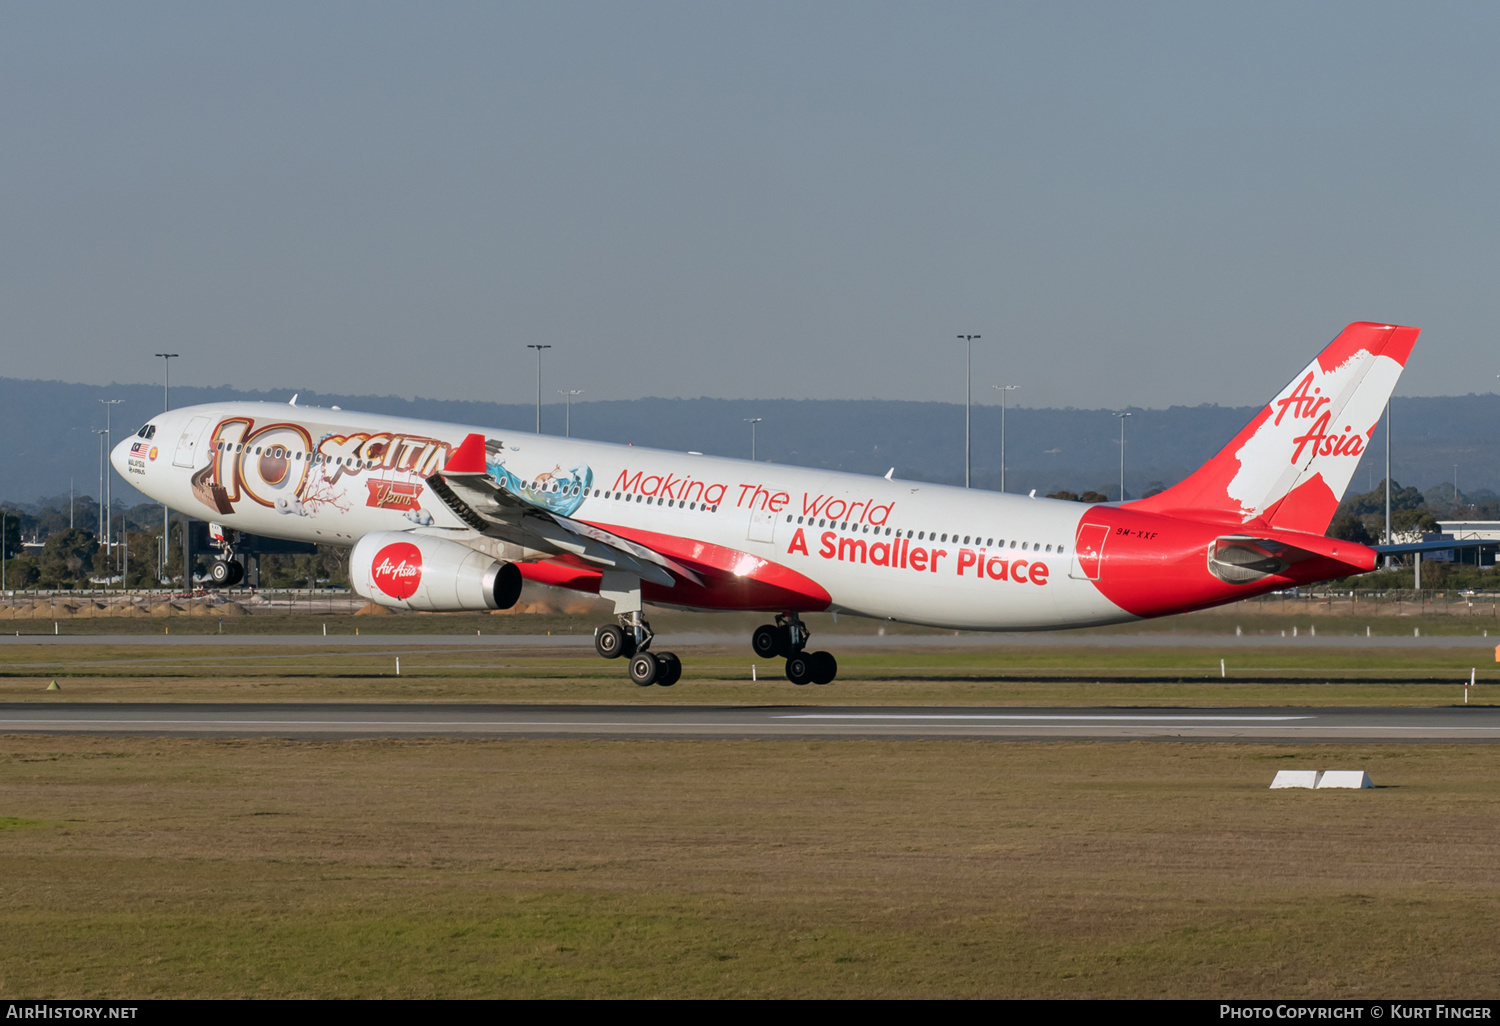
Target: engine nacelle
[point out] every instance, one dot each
(414, 571)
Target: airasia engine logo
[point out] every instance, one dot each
(397, 569)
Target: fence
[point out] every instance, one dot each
(105, 602)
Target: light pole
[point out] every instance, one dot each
(538, 384)
(108, 442)
(1388, 478)
(99, 526)
(752, 421)
(1003, 390)
(569, 393)
(166, 523)
(1122, 417)
(968, 394)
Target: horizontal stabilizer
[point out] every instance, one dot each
(1246, 559)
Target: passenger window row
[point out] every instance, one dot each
(933, 536)
(281, 452)
(650, 499)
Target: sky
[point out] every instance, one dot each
(1133, 204)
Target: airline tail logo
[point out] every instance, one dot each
(397, 570)
(1290, 466)
(1306, 402)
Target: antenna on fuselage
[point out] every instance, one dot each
(888, 473)
(293, 400)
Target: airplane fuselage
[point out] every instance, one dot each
(758, 535)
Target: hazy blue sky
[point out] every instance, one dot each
(1141, 204)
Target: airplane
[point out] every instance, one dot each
(442, 517)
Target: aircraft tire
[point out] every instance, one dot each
(236, 572)
(610, 642)
(824, 667)
(644, 669)
(799, 669)
(221, 573)
(766, 641)
(669, 669)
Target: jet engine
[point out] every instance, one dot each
(413, 571)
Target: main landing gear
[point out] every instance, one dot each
(786, 639)
(631, 639)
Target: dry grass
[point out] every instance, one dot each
(718, 674)
(565, 615)
(136, 867)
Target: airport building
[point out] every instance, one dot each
(1467, 530)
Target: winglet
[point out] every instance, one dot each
(468, 458)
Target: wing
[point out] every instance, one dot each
(467, 488)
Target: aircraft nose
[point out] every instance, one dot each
(121, 454)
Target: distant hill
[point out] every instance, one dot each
(47, 436)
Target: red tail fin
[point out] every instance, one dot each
(1290, 466)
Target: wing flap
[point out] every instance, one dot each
(487, 506)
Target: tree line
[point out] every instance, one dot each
(49, 545)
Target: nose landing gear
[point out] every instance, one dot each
(786, 639)
(226, 572)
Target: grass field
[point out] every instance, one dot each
(137, 867)
(150, 868)
(720, 674)
(1268, 618)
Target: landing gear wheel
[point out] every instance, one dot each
(799, 669)
(824, 667)
(610, 642)
(766, 641)
(236, 573)
(221, 573)
(669, 669)
(644, 669)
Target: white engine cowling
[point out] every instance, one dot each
(413, 571)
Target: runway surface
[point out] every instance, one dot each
(833, 642)
(1297, 724)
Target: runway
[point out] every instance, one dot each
(1476, 724)
(832, 641)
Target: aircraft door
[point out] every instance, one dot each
(762, 526)
(187, 444)
(1088, 552)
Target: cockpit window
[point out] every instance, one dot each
(147, 431)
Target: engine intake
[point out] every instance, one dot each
(414, 571)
